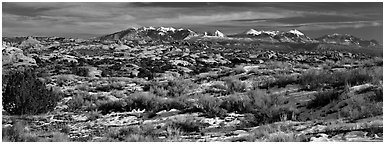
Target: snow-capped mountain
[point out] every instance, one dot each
(255, 32)
(151, 33)
(217, 33)
(291, 36)
(296, 32)
(294, 36)
(346, 39)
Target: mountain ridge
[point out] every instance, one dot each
(291, 36)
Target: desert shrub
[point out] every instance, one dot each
(239, 69)
(210, 105)
(63, 79)
(158, 89)
(282, 81)
(132, 134)
(58, 137)
(361, 106)
(140, 138)
(283, 137)
(81, 101)
(186, 125)
(143, 100)
(112, 106)
(277, 64)
(301, 65)
(376, 61)
(261, 100)
(314, 79)
(283, 113)
(82, 87)
(17, 133)
(173, 88)
(173, 134)
(237, 103)
(357, 77)
(323, 98)
(109, 87)
(93, 115)
(175, 103)
(235, 85)
(80, 71)
(267, 108)
(271, 133)
(179, 87)
(25, 94)
(378, 95)
(250, 120)
(118, 94)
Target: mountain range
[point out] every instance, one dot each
(291, 36)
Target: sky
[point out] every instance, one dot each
(86, 20)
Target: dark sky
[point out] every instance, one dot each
(93, 19)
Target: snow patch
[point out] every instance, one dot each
(296, 32)
(219, 34)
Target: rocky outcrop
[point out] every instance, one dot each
(15, 57)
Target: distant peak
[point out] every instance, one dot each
(219, 34)
(255, 32)
(166, 29)
(296, 32)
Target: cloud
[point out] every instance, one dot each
(207, 19)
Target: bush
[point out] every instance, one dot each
(132, 134)
(25, 94)
(283, 137)
(143, 100)
(237, 103)
(173, 88)
(81, 101)
(266, 108)
(211, 106)
(81, 71)
(17, 133)
(186, 125)
(361, 106)
(235, 85)
(315, 80)
(109, 87)
(324, 98)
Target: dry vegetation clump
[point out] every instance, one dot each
(26, 94)
(235, 85)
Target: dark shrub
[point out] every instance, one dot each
(25, 94)
(324, 98)
(80, 71)
(112, 106)
(187, 125)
